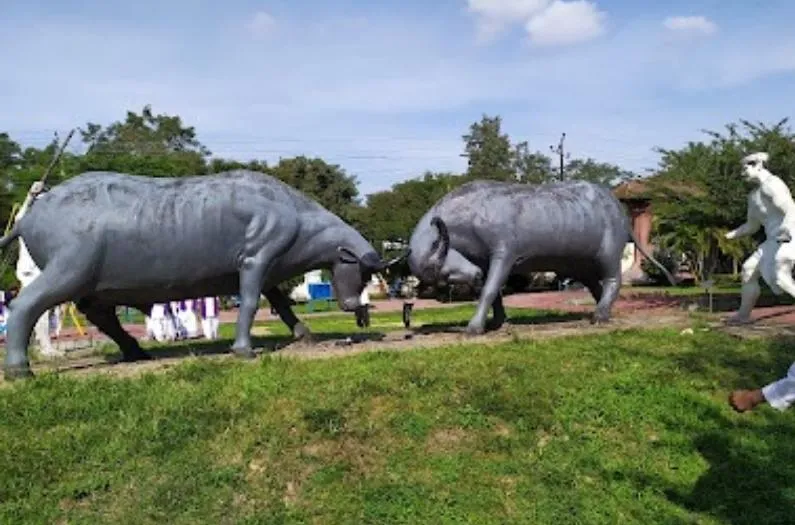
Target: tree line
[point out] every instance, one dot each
(697, 193)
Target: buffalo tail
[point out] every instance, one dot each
(657, 263)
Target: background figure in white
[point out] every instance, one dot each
(187, 318)
(3, 311)
(27, 271)
(770, 205)
(178, 326)
(209, 308)
(363, 320)
(56, 320)
(161, 323)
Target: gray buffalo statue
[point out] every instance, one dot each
(104, 239)
(484, 231)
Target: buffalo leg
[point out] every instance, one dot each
(610, 289)
(498, 316)
(499, 269)
(281, 304)
(595, 287)
(105, 319)
(53, 286)
(252, 278)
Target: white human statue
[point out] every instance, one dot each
(770, 205)
(27, 272)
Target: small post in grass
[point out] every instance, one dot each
(708, 286)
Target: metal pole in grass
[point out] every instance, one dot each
(708, 284)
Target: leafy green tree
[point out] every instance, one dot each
(699, 192)
(150, 144)
(598, 172)
(391, 215)
(329, 184)
(532, 167)
(489, 150)
(218, 165)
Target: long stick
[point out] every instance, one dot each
(7, 256)
(56, 157)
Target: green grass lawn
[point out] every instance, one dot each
(630, 427)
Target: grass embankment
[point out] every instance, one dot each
(630, 427)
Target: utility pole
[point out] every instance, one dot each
(559, 150)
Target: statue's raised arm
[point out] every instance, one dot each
(751, 224)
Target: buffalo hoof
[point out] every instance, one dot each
(494, 324)
(131, 357)
(473, 330)
(246, 353)
(598, 319)
(737, 320)
(302, 333)
(12, 373)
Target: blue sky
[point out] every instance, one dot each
(386, 89)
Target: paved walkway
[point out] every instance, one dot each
(569, 301)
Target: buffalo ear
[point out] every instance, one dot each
(346, 255)
(372, 261)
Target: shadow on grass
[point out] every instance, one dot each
(519, 320)
(749, 478)
(262, 345)
(738, 369)
(745, 485)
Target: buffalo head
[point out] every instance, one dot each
(445, 265)
(351, 273)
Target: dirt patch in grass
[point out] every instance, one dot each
(447, 439)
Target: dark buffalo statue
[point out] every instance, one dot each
(104, 239)
(484, 231)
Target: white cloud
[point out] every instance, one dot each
(547, 22)
(493, 16)
(690, 24)
(261, 24)
(507, 10)
(386, 106)
(564, 23)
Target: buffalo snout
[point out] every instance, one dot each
(350, 304)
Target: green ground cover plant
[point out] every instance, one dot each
(627, 427)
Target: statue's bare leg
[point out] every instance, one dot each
(750, 288)
(499, 269)
(784, 262)
(104, 317)
(56, 284)
(281, 304)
